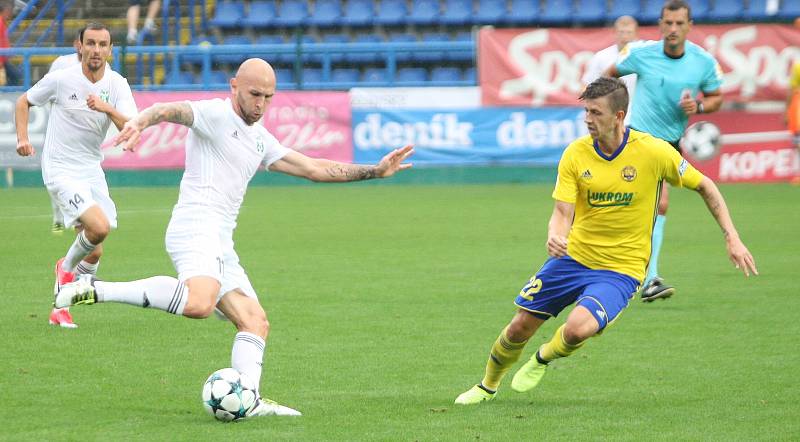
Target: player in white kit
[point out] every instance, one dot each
(626, 31)
(86, 98)
(225, 147)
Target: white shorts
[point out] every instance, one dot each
(73, 196)
(199, 246)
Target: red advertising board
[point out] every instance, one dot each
(524, 67)
(314, 123)
(755, 148)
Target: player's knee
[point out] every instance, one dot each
(198, 310)
(98, 232)
(575, 333)
(522, 327)
(255, 322)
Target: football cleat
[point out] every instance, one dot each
(528, 376)
(656, 289)
(62, 277)
(57, 228)
(78, 292)
(474, 395)
(267, 407)
(62, 317)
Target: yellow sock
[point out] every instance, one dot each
(503, 355)
(557, 347)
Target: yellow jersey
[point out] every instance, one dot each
(793, 110)
(794, 76)
(616, 197)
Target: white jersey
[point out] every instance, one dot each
(599, 63)
(64, 61)
(75, 132)
(222, 155)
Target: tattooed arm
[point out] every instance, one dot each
(322, 170)
(737, 252)
(179, 112)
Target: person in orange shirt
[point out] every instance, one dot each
(793, 110)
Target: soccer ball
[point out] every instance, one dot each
(228, 395)
(701, 140)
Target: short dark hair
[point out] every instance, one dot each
(94, 26)
(674, 5)
(614, 88)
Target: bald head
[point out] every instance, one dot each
(626, 29)
(253, 88)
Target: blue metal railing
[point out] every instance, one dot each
(57, 23)
(205, 55)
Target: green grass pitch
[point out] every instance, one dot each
(384, 301)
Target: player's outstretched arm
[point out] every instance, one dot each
(558, 228)
(21, 114)
(322, 170)
(179, 112)
(737, 252)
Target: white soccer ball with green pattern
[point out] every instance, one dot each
(229, 395)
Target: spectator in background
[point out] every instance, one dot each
(626, 30)
(793, 109)
(9, 76)
(133, 18)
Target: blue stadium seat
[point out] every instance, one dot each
(289, 58)
(365, 57)
(462, 56)
(490, 12)
(228, 14)
(651, 12)
(359, 13)
(344, 75)
(198, 41)
(233, 58)
(327, 13)
(556, 12)
(625, 7)
(445, 74)
(312, 75)
(789, 10)
(431, 56)
(424, 12)
(392, 13)
(291, 13)
(727, 10)
(589, 12)
(402, 56)
(411, 75)
(285, 77)
(260, 14)
(374, 76)
(336, 57)
(524, 12)
(471, 75)
(700, 10)
(757, 11)
(457, 13)
(271, 57)
(179, 77)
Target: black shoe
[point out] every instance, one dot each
(656, 289)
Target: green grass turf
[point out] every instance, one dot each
(384, 301)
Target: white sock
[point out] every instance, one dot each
(77, 251)
(87, 268)
(248, 355)
(161, 292)
(57, 216)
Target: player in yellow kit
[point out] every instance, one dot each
(793, 109)
(598, 237)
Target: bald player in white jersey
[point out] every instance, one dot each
(225, 147)
(85, 100)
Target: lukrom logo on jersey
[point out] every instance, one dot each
(609, 199)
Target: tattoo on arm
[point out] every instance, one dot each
(350, 172)
(179, 112)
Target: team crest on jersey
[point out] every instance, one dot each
(260, 145)
(105, 96)
(586, 175)
(629, 173)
